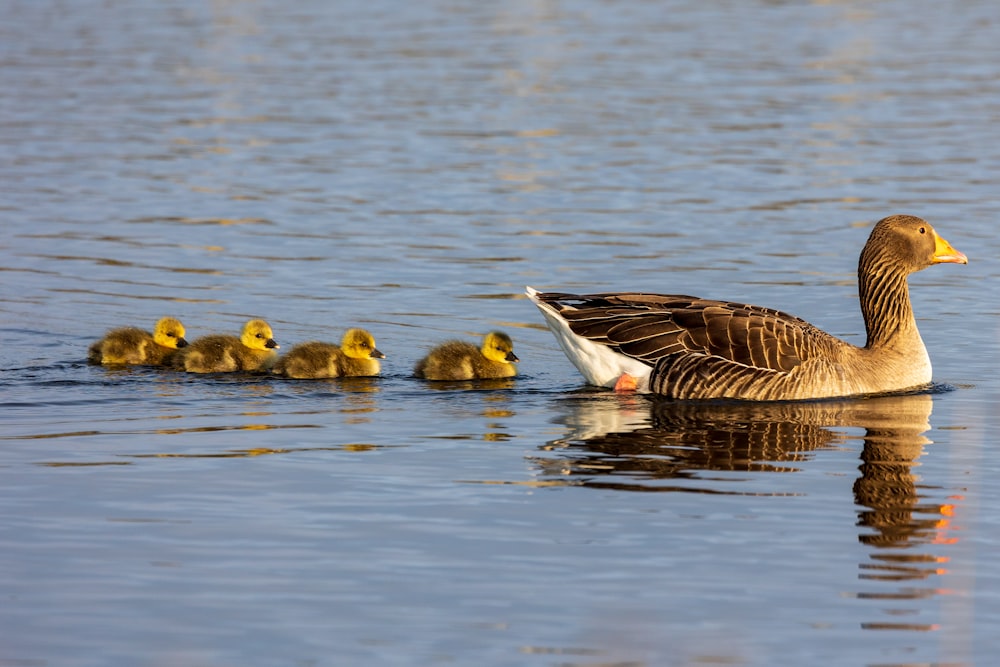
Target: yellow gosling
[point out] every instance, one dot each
(459, 360)
(356, 356)
(254, 350)
(135, 346)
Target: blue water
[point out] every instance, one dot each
(409, 168)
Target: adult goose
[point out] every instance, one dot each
(684, 347)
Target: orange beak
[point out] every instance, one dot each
(944, 253)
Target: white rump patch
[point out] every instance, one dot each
(599, 364)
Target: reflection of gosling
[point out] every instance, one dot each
(131, 345)
(458, 360)
(356, 356)
(254, 350)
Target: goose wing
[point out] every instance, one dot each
(658, 329)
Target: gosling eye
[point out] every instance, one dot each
(923, 231)
(259, 335)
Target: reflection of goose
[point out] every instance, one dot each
(459, 360)
(686, 347)
(131, 345)
(356, 356)
(630, 443)
(254, 350)
(887, 487)
(629, 436)
(626, 441)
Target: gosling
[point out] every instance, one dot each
(356, 356)
(135, 346)
(459, 360)
(254, 350)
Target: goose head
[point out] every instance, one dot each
(497, 346)
(359, 344)
(169, 332)
(898, 246)
(910, 244)
(257, 335)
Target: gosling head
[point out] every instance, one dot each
(169, 333)
(497, 346)
(257, 335)
(359, 344)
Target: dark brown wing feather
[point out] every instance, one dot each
(653, 327)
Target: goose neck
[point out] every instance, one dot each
(885, 300)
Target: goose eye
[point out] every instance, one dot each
(922, 230)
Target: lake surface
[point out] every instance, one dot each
(409, 168)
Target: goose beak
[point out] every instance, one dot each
(271, 344)
(944, 253)
(181, 342)
(376, 354)
(511, 356)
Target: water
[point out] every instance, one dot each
(409, 168)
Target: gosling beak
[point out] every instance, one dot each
(944, 253)
(181, 342)
(376, 354)
(511, 356)
(271, 344)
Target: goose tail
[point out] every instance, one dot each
(599, 364)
